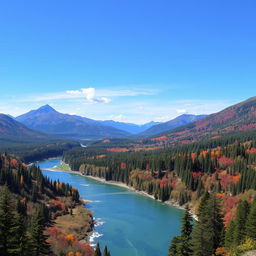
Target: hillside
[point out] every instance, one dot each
(10, 127)
(48, 120)
(239, 117)
(32, 209)
(129, 127)
(217, 175)
(172, 124)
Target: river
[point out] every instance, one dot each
(130, 224)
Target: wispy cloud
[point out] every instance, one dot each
(91, 95)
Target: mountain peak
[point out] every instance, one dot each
(46, 109)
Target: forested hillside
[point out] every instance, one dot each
(172, 124)
(225, 168)
(29, 205)
(239, 117)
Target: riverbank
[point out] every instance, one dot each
(120, 184)
(78, 223)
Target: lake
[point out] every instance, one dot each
(130, 224)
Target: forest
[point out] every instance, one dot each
(30, 205)
(218, 172)
(30, 151)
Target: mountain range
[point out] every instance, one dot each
(130, 127)
(186, 128)
(10, 127)
(172, 124)
(236, 118)
(47, 120)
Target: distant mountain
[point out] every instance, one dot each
(10, 127)
(172, 124)
(46, 119)
(239, 117)
(129, 127)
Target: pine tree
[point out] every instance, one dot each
(97, 250)
(174, 248)
(198, 235)
(208, 233)
(240, 222)
(214, 224)
(20, 239)
(106, 252)
(229, 235)
(186, 231)
(6, 222)
(38, 238)
(181, 245)
(251, 222)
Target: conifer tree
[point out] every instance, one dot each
(97, 250)
(251, 222)
(106, 252)
(20, 240)
(240, 222)
(198, 235)
(174, 248)
(6, 222)
(181, 245)
(229, 235)
(214, 225)
(186, 231)
(38, 238)
(207, 235)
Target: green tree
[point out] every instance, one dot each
(186, 231)
(198, 235)
(229, 235)
(20, 239)
(97, 250)
(38, 238)
(174, 248)
(181, 245)
(208, 232)
(251, 222)
(106, 252)
(6, 222)
(240, 222)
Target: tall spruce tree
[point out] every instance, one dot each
(106, 252)
(20, 239)
(208, 232)
(240, 222)
(198, 235)
(6, 222)
(251, 221)
(174, 248)
(214, 224)
(97, 250)
(38, 238)
(229, 235)
(181, 245)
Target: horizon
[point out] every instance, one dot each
(48, 105)
(128, 62)
(140, 124)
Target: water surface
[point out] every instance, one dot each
(130, 224)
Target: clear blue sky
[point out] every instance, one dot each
(143, 60)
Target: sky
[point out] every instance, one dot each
(131, 61)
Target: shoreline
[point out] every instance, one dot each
(123, 185)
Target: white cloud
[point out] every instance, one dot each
(181, 111)
(118, 118)
(89, 94)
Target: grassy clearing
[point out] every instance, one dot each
(63, 167)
